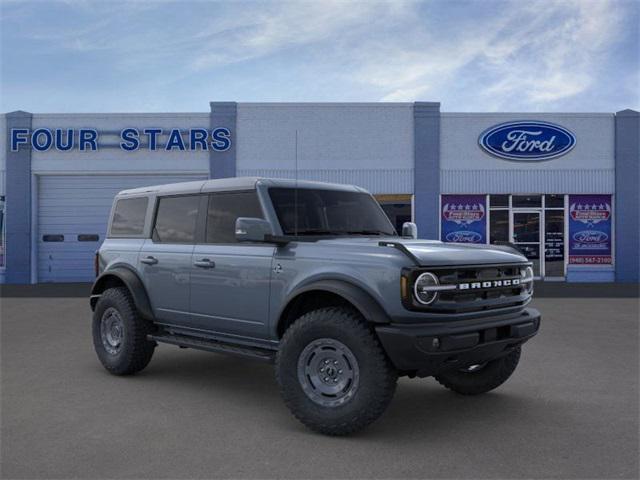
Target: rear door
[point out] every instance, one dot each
(165, 258)
(230, 281)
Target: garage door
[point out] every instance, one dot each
(72, 220)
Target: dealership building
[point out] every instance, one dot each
(562, 187)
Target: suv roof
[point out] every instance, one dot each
(234, 183)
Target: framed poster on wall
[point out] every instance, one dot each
(590, 234)
(463, 218)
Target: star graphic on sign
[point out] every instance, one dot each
(475, 207)
(467, 207)
(579, 206)
(453, 207)
(460, 207)
(601, 207)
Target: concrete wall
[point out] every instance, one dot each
(627, 221)
(370, 145)
(588, 168)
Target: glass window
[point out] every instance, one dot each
(498, 201)
(53, 237)
(1, 231)
(88, 237)
(554, 201)
(499, 226)
(526, 227)
(224, 209)
(128, 218)
(554, 243)
(329, 212)
(398, 213)
(176, 219)
(520, 201)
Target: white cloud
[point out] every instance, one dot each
(533, 53)
(494, 55)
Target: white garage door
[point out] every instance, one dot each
(72, 220)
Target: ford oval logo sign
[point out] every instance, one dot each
(529, 141)
(464, 236)
(590, 237)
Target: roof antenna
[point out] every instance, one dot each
(295, 191)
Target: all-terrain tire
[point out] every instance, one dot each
(134, 351)
(485, 379)
(372, 388)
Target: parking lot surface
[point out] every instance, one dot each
(569, 411)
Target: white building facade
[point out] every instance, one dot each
(569, 201)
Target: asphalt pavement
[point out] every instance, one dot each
(569, 411)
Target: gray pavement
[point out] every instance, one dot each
(569, 411)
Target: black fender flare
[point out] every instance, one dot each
(132, 282)
(368, 306)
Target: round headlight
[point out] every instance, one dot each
(527, 278)
(425, 289)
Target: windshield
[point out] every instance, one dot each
(329, 212)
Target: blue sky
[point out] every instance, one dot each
(102, 56)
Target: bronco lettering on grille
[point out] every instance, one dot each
(510, 282)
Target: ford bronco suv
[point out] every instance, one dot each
(314, 278)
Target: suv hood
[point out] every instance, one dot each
(440, 253)
(436, 253)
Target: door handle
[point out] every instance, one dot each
(149, 260)
(204, 263)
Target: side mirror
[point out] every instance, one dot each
(252, 229)
(410, 230)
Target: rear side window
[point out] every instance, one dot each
(128, 218)
(224, 209)
(176, 219)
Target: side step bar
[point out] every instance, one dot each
(185, 341)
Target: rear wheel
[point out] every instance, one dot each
(120, 333)
(332, 372)
(481, 378)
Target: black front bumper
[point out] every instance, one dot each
(428, 349)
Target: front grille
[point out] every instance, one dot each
(481, 288)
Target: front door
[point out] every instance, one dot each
(231, 281)
(526, 236)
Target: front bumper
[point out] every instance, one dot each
(428, 349)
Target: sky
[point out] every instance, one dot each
(164, 56)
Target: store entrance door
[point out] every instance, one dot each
(526, 235)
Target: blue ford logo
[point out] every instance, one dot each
(527, 141)
(590, 237)
(463, 236)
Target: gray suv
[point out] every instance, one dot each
(314, 278)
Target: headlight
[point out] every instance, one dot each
(425, 288)
(527, 279)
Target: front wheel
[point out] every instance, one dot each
(477, 379)
(332, 372)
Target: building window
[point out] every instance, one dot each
(526, 201)
(397, 208)
(496, 201)
(499, 226)
(2, 243)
